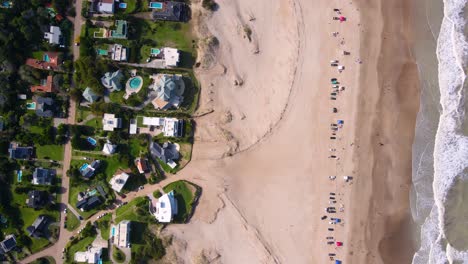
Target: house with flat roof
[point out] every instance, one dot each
(121, 30)
(120, 234)
(37, 199)
(118, 52)
(170, 127)
(44, 106)
(169, 90)
(90, 96)
(36, 230)
(93, 255)
(118, 181)
(43, 176)
(8, 244)
(173, 127)
(170, 56)
(110, 122)
(166, 208)
(167, 153)
(171, 11)
(54, 36)
(102, 6)
(17, 152)
(133, 129)
(113, 80)
(46, 86)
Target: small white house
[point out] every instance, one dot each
(110, 122)
(171, 56)
(120, 234)
(166, 208)
(53, 37)
(109, 148)
(106, 6)
(92, 255)
(118, 181)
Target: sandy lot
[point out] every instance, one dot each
(262, 155)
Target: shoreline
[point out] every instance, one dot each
(389, 227)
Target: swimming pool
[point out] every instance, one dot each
(113, 231)
(135, 82)
(46, 58)
(155, 51)
(20, 175)
(123, 5)
(91, 141)
(102, 52)
(93, 192)
(84, 166)
(31, 106)
(156, 5)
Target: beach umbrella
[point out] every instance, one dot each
(342, 18)
(337, 261)
(339, 244)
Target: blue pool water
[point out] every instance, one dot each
(135, 82)
(84, 166)
(46, 58)
(113, 231)
(156, 5)
(92, 141)
(20, 175)
(93, 192)
(123, 5)
(31, 106)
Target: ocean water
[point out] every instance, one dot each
(440, 151)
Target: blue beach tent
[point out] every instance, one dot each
(337, 261)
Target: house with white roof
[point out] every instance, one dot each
(110, 122)
(171, 56)
(118, 181)
(173, 127)
(92, 256)
(133, 127)
(105, 6)
(166, 208)
(119, 52)
(120, 234)
(54, 35)
(109, 148)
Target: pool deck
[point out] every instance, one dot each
(129, 91)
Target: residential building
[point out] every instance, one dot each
(118, 181)
(44, 106)
(118, 52)
(120, 234)
(171, 11)
(8, 244)
(103, 6)
(37, 199)
(36, 230)
(167, 153)
(170, 56)
(88, 203)
(110, 122)
(133, 127)
(90, 96)
(17, 152)
(54, 36)
(169, 89)
(121, 30)
(166, 208)
(50, 61)
(170, 127)
(93, 255)
(101, 191)
(142, 165)
(113, 80)
(46, 86)
(109, 148)
(43, 176)
(89, 170)
(173, 127)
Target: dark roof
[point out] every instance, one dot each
(37, 199)
(44, 106)
(172, 11)
(43, 176)
(101, 190)
(164, 153)
(9, 243)
(93, 202)
(91, 169)
(36, 229)
(81, 204)
(96, 164)
(17, 152)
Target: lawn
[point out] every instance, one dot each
(117, 97)
(137, 147)
(157, 194)
(81, 245)
(96, 123)
(72, 221)
(136, 210)
(104, 226)
(185, 193)
(73, 198)
(111, 164)
(38, 55)
(118, 255)
(54, 152)
(28, 216)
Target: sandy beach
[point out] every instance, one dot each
(262, 144)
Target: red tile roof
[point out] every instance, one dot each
(54, 61)
(47, 88)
